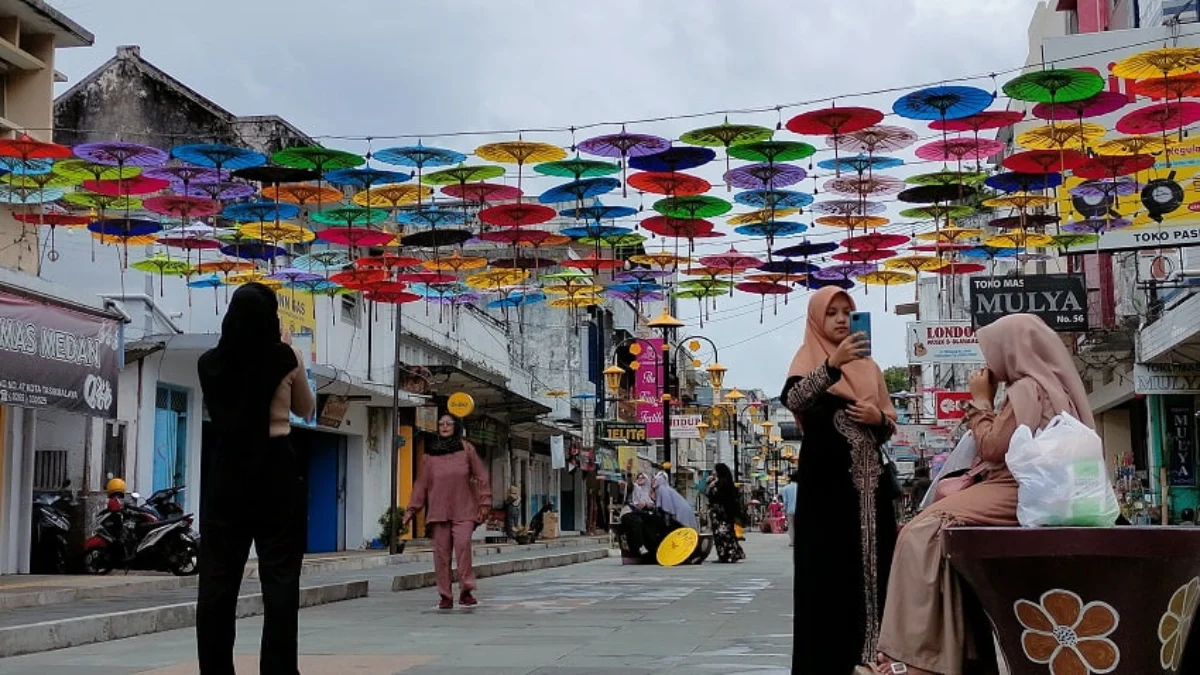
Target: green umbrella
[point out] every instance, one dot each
(1065, 85)
(463, 173)
(577, 168)
(347, 216)
(948, 178)
(691, 207)
(772, 151)
(726, 135)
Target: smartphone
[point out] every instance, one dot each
(860, 322)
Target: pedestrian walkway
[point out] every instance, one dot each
(138, 610)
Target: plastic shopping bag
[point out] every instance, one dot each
(1061, 476)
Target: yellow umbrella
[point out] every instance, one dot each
(1163, 62)
(1133, 145)
(661, 260)
(886, 278)
(1019, 200)
(914, 263)
(576, 302)
(572, 289)
(253, 276)
(949, 234)
(1018, 239)
(456, 263)
(520, 152)
(761, 216)
(1054, 137)
(498, 278)
(282, 232)
(114, 240)
(392, 195)
(853, 222)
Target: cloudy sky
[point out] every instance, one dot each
(429, 68)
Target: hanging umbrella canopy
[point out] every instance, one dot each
(842, 272)
(660, 259)
(624, 145)
(162, 265)
(1093, 226)
(456, 263)
(223, 266)
(731, 261)
(481, 192)
(936, 194)
(253, 250)
(182, 206)
(520, 152)
(949, 234)
(807, 249)
(698, 206)
(13, 194)
(641, 275)
(834, 121)
(80, 170)
(1031, 220)
(1055, 85)
(959, 149)
(1065, 241)
(1020, 201)
(138, 185)
(578, 169)
(773, 199)
(392, 195)
(1163, 62)
(217, 156)
(292, 276)
(517, 299)
(27, 148)
(794, 269)
(349, 216)
(322, 260)
(223, 190)
(351, 235)
(124, 227)
(673, 159)
(760, 216)
(430, 216)
(524, 263)
(598, 212)
(875, 241)
(419, 156)
(764, 176)
(861, 163)
(514, 237)
(1024, 182)
(772, 151)
(302, 194)
(1170, 87)
(983, 121)
(318, 158)
(579, 190)
(117, 153)
(946, 177)
(358, 278)
(388, 261)
(365, 177)
(1104, 103)
(864, 255)
(1160, 118)
(249, 212)
(726, 135)
(1018, 239)
(772, 229)
(878, 138)
(281, 232)
(1045, 161)
(53, 219)
(1113, 166)
(914, 263)
(594, 263)
(852, 222)
(959, 269)
(497, 278)
(463, 173)
(517, 215)
(1057, 137)
(671, 183)
(942, 103)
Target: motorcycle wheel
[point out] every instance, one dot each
(58, 557)
(185, 559)
(96, 561)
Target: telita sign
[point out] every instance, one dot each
(1166, 378)
(1058, 299)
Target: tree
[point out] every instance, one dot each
(896, 378)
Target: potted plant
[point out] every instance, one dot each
(392, 523)
(522, 535)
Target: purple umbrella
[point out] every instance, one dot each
(624, 145)
(843, 272)
(1097, 225)
(764, 176)
(121, 154)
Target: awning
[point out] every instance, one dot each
(541, 430)
(491, 398)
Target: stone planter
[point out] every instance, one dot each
(1084, 600)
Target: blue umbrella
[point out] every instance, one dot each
(943, 103)
(1023, 182)
(789, 267)
(517, 299)
(365, 178)
(214, 282)
(579, 190)
(432, 216)
(419, 156)
(218, 156)
(774, 199)
(674, 159)
(598, 212)
(260, 211)
(861, 164)
(772, 229)
(25, 167)
(594, 231)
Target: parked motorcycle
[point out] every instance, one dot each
(164, 503)
(134, 537)
(51, 524)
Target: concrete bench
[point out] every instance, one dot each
(1107, 600)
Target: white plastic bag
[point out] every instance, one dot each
(1061, 476)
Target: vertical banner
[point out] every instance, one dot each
(558, 454)
(647, 387)
(298, 316)
(1181, 440)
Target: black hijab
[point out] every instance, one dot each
(239, 377)
(725, 492)
(446, 445)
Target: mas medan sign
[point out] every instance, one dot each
(1058, 299)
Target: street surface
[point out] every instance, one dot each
(598, 617)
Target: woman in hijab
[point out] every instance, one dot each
(844, 509)
(642, 528)
(252, 490)
(454, 489)
(641, 498)
(670, 501)
(724, 511)
(925, 629)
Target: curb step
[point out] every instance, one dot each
(416, 580)
(63, 634)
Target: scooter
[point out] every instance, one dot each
(51, 524)
(164, 503)
(132, 537)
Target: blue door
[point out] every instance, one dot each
(166, 439)
(323, 480)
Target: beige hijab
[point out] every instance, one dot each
(862, 380)
(1026, 354)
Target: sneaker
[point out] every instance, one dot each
(446, 603)
(466, 599)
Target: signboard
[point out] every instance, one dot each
(1181, 440)
(558, 453)
(1058, 299)
(623, 431)
(945, 342)
(951, 406)
(334, 411)
(647, 386)
(298, 316)
(686, 426)
(1166, 378)
(427, 417)
(54, 357)
(460, 404)
(607, 465)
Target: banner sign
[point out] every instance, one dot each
(1166, 378)
(622, 431)
(1058, 299)
(646, 387)
(54, 357)
(686, 426)
(951, 406)
(1181, 440)
(945, 342)
(606, 463)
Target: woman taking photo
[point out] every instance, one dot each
(724, 511)
(454, 490)
(251, 485)
(845, 522)
(925, 629)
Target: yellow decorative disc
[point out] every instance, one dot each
(678, 547)
(737, 531)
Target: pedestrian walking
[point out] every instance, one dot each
(725, 510)
(252, 490)
(512, 512)
(453, 488)
(845, 519)
(925, 629)
(788, 494)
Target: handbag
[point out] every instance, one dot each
(891, 477)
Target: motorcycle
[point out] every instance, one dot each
(164, 503)
(51, 524)
(135, 537)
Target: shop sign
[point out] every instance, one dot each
(623, 431)
(1181, 441)
(298, 316)
(647, 386)
(686, 426)
(607, 465)
(1058, 299)
(943, 342)
(951, 406)
(427, 417)
(54, 357)
(1166, 378)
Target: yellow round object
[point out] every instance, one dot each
(115, 485)
(460, 404)
(678, 547)
(737, 531)
(635, 348)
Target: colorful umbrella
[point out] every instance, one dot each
(726, 135)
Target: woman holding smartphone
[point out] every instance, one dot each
(845, 520)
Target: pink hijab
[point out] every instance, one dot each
(1022, 351)
(861, 380)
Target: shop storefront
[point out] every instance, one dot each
(59, 364)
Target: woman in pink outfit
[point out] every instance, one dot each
(453, 488)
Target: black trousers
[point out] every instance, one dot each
(263, 502)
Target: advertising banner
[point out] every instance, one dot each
(647, 387)
(951, 406)
(1166, 378)
(944, 342)
(686, 426)
(54, 357)
(1058, 299)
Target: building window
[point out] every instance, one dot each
(114, 450)
(49, 469)
(351, 310)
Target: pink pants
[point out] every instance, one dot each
(456, 536)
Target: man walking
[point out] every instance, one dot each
(788, 494)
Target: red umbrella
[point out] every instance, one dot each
(875, 241)
(355, 236)
(482, 192)
(594, 263)
(1045, 161)
(182, 206)
(517, 215)
(1113, 166)
(356, 279)
(387, 261)
(864, 255)
(730, 262)
(1177, 87)
(670, 183)
(1160, 118)
(956, 268)
(763, 288)
(426, 278)
(26, 148)
(125, 187)
(834, 122)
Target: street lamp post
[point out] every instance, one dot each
(666, 361)
(735, 397)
